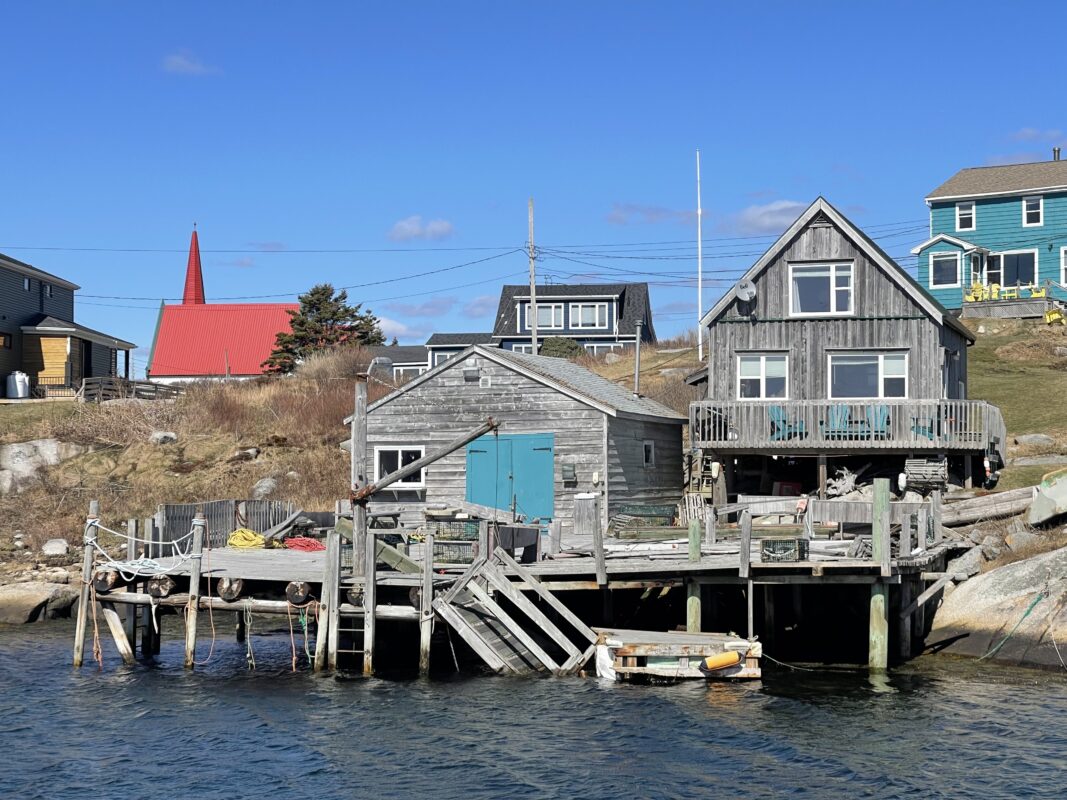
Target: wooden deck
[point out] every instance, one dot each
(824, 426)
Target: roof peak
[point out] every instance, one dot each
(194, 275)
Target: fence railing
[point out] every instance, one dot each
(793, 425)
(41, 387)
(97, 390)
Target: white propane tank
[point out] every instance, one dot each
(18, 385)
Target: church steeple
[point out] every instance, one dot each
(194, 277)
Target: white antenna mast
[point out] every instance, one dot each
(700, 268)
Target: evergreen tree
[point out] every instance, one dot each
(561, 347)
(324, 321)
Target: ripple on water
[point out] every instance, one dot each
(944, 729)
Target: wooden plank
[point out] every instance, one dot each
(514, 627)
(118, 633)
(927, 595)
(370, 601)
(575, 663)
(544, 594)
(392, 557)
(503, 585)
(470, 636)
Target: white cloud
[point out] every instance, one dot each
(413, 228)
(391, 328)
(1035, 135)
(184, 62)
(434, 307)
(772, 217)
(481, 306)
(637, 214)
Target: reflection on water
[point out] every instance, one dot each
(936, 728)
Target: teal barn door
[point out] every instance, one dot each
(517, 466)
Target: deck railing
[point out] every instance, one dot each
(97, 390)
(799, 425)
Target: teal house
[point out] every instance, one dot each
(998, 239)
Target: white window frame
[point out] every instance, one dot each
(974, 215)
(1001, 253)
(1063, 265)
(944, 254)
(48, 290)
(524, 316)
(977, 276)
(399, 371)
(881, 373)
(762, 376)
(441, 357)
(596, 348)
(1040, 211)
(403, 485)
(834, 311)
(648, 453)
(26, 284)
(523, 348)
(575, 311)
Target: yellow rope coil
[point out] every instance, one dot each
(243, 537)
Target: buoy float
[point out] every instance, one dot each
(730, 658)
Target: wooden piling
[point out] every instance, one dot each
(904, 621)
(711, 526)
(749, 587)
(149, 635)
(587, 523)
(199, 524)
(129, 617)
(880, 549)
(331, 596)
(426, 607)
(693, 589)
(118, 632)
(935, 515)
(370, 603)
(89, 540)
(745, 566)
(878, 638)
(555, 537)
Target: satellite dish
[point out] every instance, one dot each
(745, 291)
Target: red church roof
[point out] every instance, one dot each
(194, 275)
(216, 339)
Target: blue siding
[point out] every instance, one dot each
(999, 227)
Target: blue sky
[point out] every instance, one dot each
(420, 131)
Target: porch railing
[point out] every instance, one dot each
(805, 425)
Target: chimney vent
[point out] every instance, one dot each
(1055, 154)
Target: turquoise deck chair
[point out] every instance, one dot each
(878, 421)
(782, 427)
(838, 423)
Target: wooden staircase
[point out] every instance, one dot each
(513, 642)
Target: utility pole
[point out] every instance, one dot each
(700, 268)
(533, 287)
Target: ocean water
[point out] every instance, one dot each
(935, 728)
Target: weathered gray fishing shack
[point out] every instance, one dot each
(564, 431)
(828, 352)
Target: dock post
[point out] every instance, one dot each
(711, 525)
(327, 598)
(935, 515)
(749, 587)
(149, 635)
(587, 523)
(89, 539)
(193, 606)
(332, 594)
(370, 602)
(878, 639)
(821, 461)
(555, 537)
(907, 589)
(359, 477)
(693, 588)
(426, 606)
(880, 545)
(744, 568)
(129, 615)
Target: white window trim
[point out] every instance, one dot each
(379, 448)
(833, 265)
(1063, 265)
(440, 358)
(762, 377)
(974, 215)
(1040, 210)
(651, 462)
(575, 316)
(1037, 265)
(27, 284)
(522, 348)
(522, 315)
(596, 348)
(979, 276)
(398, 371)
(881, 374)
(943, 254)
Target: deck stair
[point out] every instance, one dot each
(504, 640)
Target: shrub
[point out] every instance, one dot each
(561, 347)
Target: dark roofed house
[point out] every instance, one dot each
(998, 240)
(599, 316)
(442, 346)
(39, 337)
(564, 430)
(404, 361)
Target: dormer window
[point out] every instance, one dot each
(589, 315)
(549, 316)
(965, 216)
(1033, 211)
(820, 289)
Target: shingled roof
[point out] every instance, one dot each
(633, 299)
(559, 373)
(1006, 179)
(458, 339)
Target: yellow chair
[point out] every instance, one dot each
(1038, 291)
(1054, 315)
(1009, 293)
(994, 292)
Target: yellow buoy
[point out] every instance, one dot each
(730, 658)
